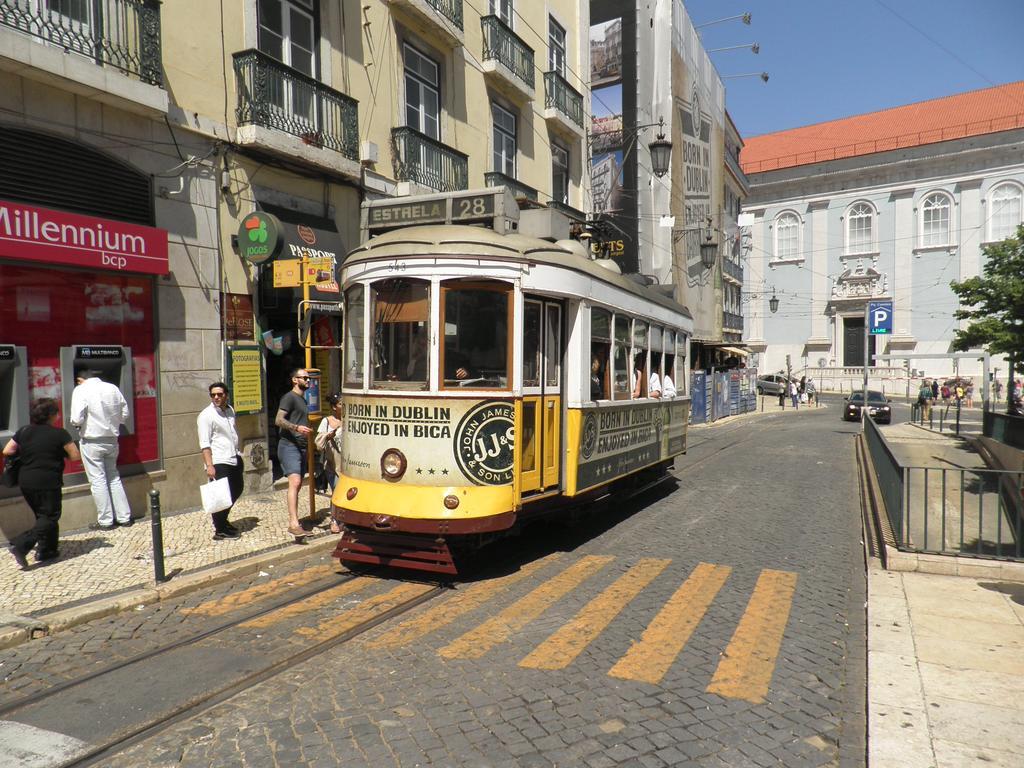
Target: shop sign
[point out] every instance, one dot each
(7, 353)
(238, 318)
(245, 377)
(287, 274)
(259, 237)
(30, 233)
(99, 353)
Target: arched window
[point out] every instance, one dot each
(860, 222)
(935, 210)
(787, 237)
(1005, 211)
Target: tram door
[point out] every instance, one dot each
(540, 442)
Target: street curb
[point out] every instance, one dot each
(67, 618)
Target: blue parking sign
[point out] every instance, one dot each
(880, 317)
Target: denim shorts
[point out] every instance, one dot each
(292, 458)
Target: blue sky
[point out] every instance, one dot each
(833, 58)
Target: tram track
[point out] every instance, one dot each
(197, 705)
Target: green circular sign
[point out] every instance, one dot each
(259, 237)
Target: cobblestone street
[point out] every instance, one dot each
(718, 622)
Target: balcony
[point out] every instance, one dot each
(732, 322)
(507, 60)
(282, 110)
(517, 188)
(563, 105)
(732, 269)
(733, 165)
(108, 50)
(438, 19)
(423, 160)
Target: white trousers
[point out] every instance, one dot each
(100, 460)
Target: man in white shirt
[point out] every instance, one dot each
(218, 442)
(98, 409)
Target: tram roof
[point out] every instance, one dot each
(452, 240)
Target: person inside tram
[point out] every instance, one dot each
(668, 387)
(640, 381)
(597, 390)
(416, 365)
(654, 385)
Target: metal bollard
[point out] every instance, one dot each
(158, 536)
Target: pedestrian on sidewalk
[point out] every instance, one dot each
(328, 438)
(969, 393)
(794, 395)
(292, 421)
(935, 390)
(42, 447)
(924, 396)
(783, 391)
(218, 442)
(98, 409)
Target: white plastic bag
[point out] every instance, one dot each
(216, 495)
(803, 397)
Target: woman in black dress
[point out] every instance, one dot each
(42, 447)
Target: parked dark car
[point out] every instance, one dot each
(878, 407)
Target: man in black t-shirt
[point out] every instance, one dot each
(293, 424)
(42, 448)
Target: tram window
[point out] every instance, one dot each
(531, 343)
(476, 323)
(354, 333)
(682, 385)
(553, 346)
(401, 341)
(620, 361)
(668, 378)
(640, 376)
(600, 352)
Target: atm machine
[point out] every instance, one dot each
(114, 365)
(13, 391)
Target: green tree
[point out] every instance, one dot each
(994, 303)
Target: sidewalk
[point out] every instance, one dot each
(945, 653)
(100, 565)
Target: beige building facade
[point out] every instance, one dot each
(295, 109)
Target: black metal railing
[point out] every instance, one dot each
(273, 95)
(732, 269)
(124, 34)
(503, 45)
(732, 320)
(498, 179)
(450, 9)
(427, 161)
(563, 97)
(973, 511)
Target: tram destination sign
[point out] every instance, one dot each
(490, 206)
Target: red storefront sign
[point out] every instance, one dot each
(30, 233)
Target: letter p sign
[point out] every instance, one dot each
(880, 317)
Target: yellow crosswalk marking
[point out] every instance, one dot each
(311, 604)
(235, 600)
(562, 648)
(749, 660)
(475, 643)
(366, 610)
(461, 603)
(649, 659)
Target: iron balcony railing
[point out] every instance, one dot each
(427, 161)
(450, 9)
(124, 34)
(732, 320)
(558, 94)
(498, 179)
(973, 511)
(732, 269)
(273, 95)
(505, 46)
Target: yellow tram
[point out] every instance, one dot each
(489, 378)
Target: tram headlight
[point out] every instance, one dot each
(451, 501)
(392, 464)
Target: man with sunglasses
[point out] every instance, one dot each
(218, 442)
(292, 421)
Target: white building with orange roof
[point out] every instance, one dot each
(890, 205)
